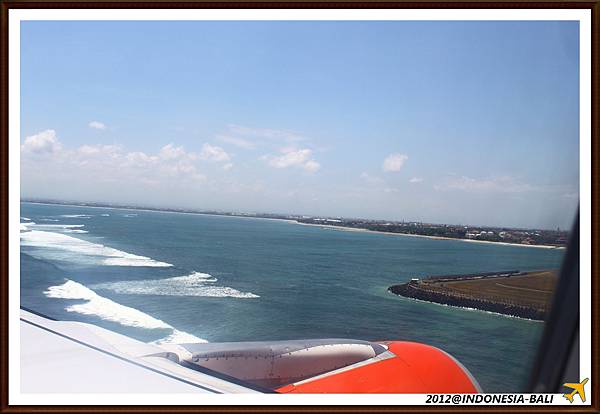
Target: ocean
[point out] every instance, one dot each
(175, 277)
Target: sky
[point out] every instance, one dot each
(445, 122)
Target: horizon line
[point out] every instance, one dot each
(189, 210)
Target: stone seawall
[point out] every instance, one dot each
(416, 291)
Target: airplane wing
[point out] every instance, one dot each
(60, 356)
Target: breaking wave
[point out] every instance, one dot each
(178, 337)
(466, 308)
(76, 215)
(63, 228)
(109, 310)
(194, 284)
(59, 226)
(25, 219)
(85, 251)
(103, 307)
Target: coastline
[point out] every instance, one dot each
(164, 211)
(325, 226)
(504, 315)
(342, 228)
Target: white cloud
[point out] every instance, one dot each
(88, 150)
(277, 134)
(312, 166)
(501, 184)
(97, 125)
(140, 158)
(250, 138)
(172, 166)
(214, 153)
(228, 166)
(238, 142)
(44, 142)
(394, 162)
(292, 157)
(171, 152)
(98, 150)
(371, 179)
(415, 180)
(504, 184)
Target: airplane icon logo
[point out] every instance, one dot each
(577, 389)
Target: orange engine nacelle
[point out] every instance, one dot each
(410, 368)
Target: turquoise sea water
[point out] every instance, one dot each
(159, 276)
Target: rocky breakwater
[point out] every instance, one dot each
(507, 295)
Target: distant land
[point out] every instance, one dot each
(505, 235)
(523, 294)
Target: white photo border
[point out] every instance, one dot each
(16, 16)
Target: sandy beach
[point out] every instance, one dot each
(342, 228)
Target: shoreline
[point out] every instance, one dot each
(450, 300)
(161, 211)
(330, 226)
(292, 221)
(504, 315)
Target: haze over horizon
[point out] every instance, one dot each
(240, 213)
(441, 122)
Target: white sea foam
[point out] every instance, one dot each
(194, 284)
(466, 308)
(179, 337)
(105, 215)
(76, 215)
(63, 228)
(57, 226)
(109, 310)
(103, 307)
(25, 219)
(47, 219)
(84, 250)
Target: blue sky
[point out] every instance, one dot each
(456, 122)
